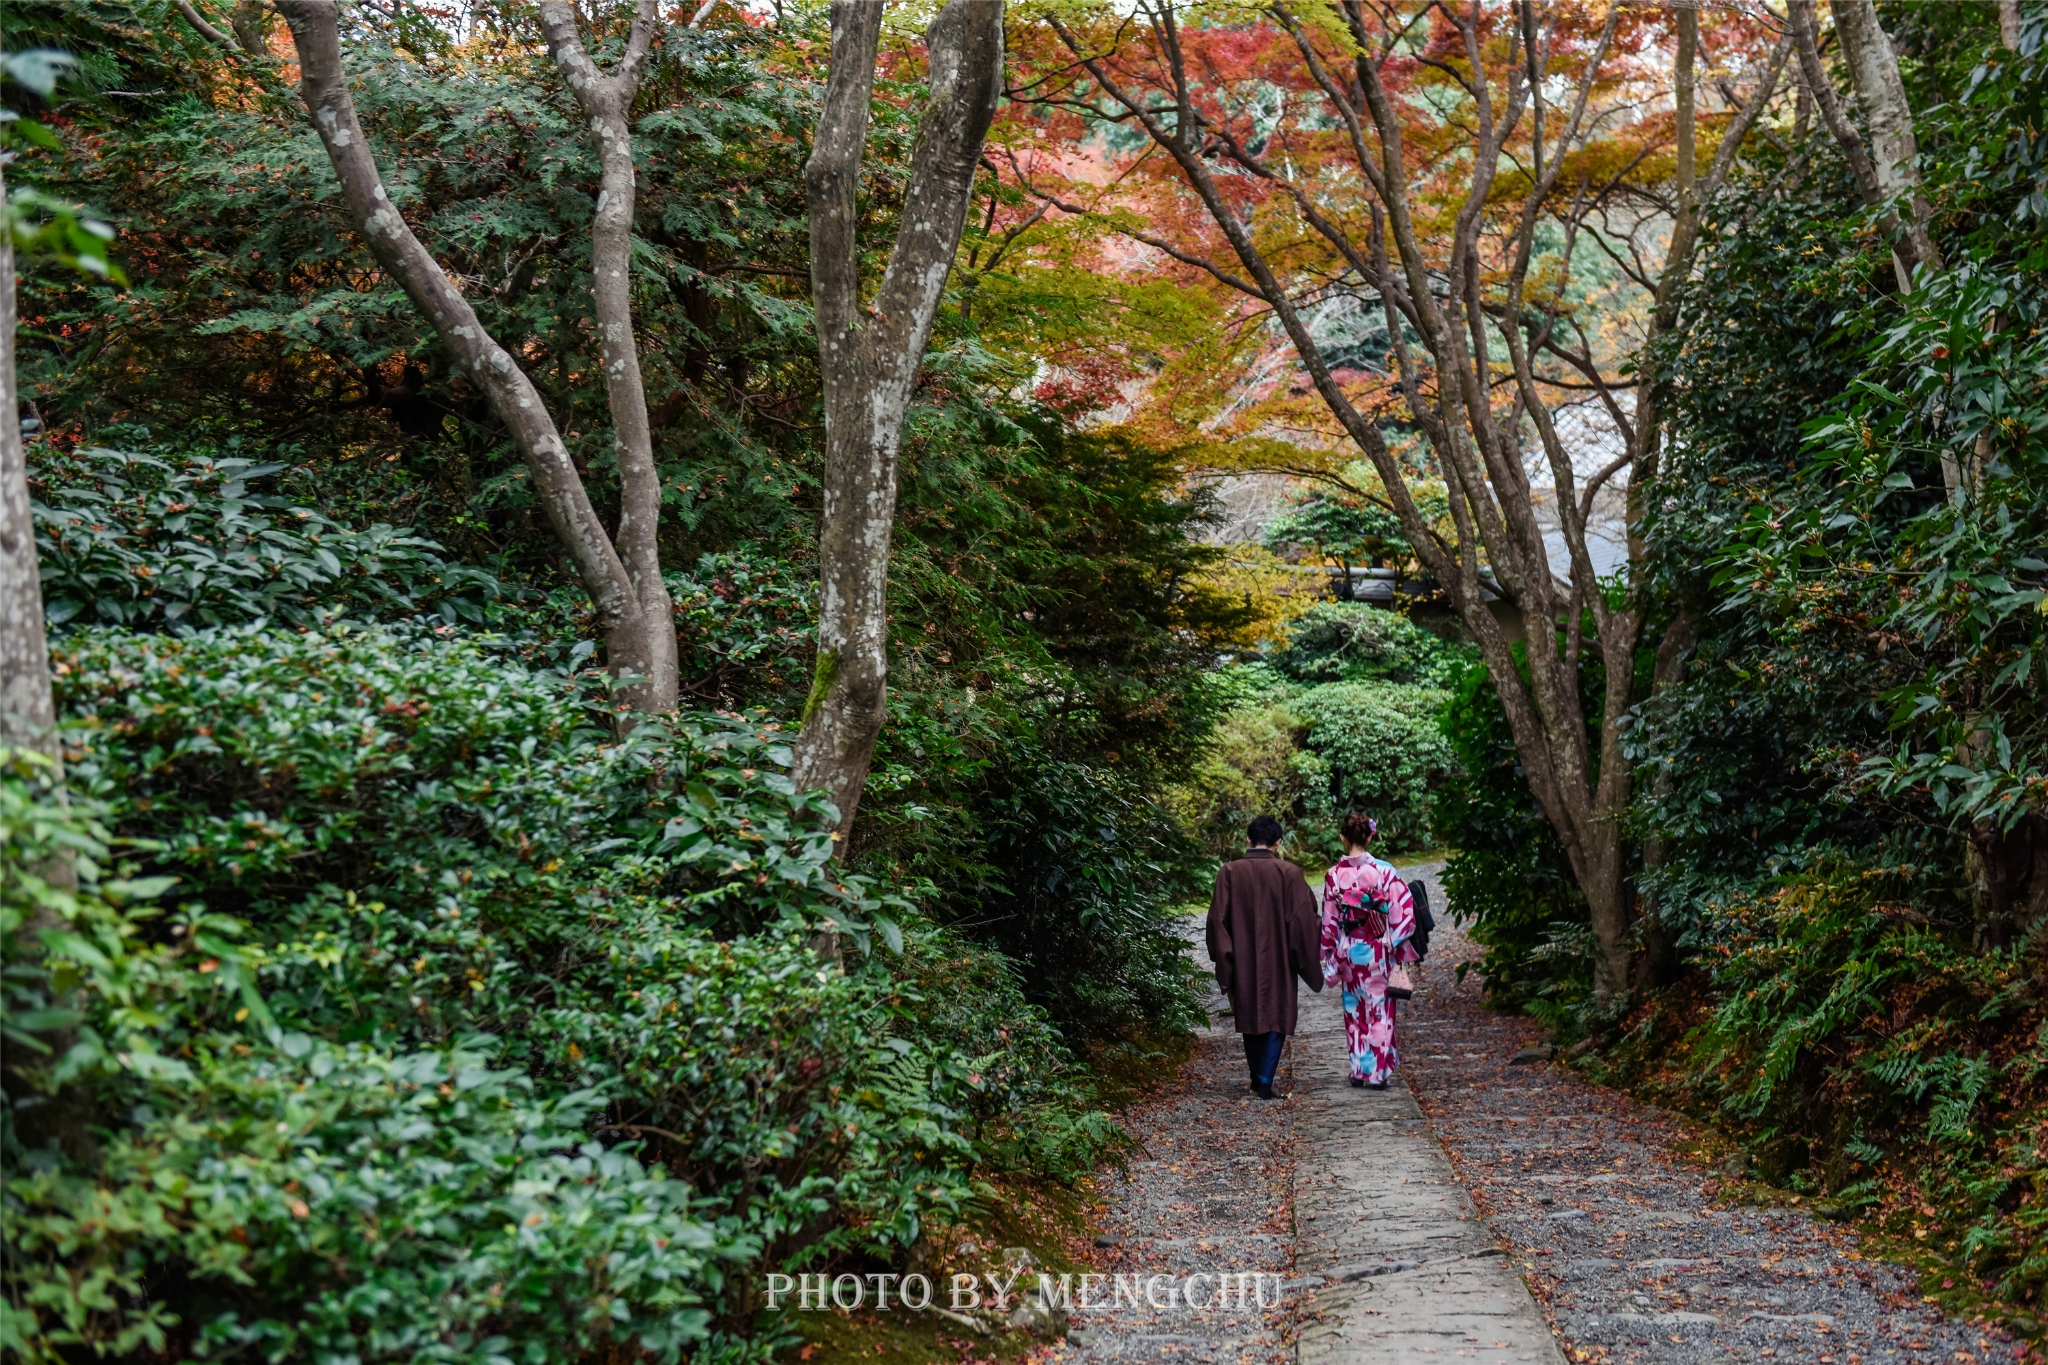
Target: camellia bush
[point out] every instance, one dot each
(396, 1012)
(1508, 879)
(159, 540)
(1383, 753)
(1344, 716)
(1351, 642)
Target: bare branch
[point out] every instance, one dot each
(207, 30)
(1594, 484)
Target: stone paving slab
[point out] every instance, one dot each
(1393, 1259)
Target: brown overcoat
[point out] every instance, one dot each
(1263, 933)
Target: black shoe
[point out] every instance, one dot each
(1376, 1085)
(1358, 1082)
(1265, 1092)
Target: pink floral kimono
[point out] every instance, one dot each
(1359, 966)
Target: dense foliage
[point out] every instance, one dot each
(1507, 878)
(1374, 748)
(1843, 789)
(142, 540)
(412, 870)
(1350, 643)
(404, 1010)
(1342, 716)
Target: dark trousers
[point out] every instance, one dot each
(1262, 1055)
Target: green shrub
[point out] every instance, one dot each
(183, 540)
(1308, 754)
(745, 626)
(1251, 766)
(311, 1199)
(1087, 872)
(326, 1202)
(1508, 880)
(1353, 642)
(1383, 753)
(98, 980)
(1028, 1109)
(491, 942)
(745, 611)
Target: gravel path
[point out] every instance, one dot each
(1209, 1190)
(1619, 1233)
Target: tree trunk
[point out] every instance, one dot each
(870, 356)
(1660, 961)
(1805, 26)
(2011, 876)
(28, 720)
(315, 31)
(1874, 72)
(28, 714)
(250, 20)
(607, 103)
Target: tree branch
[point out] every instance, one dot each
(315, 31)
(607, 102)
(206, 30)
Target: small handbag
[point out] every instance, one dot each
(1400, 986)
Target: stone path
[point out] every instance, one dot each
(1209, 1191)
(1396, 1263)
(1384, 1262)
(1620, 1234)
(1413, 1227)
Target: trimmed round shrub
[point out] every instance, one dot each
(1383, 752)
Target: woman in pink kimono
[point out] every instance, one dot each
(1368, 918)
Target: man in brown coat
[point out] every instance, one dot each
(1263, 933)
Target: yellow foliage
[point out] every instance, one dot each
(1247, 768)
(1276, 593)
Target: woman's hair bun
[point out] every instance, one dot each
(1358, 829)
